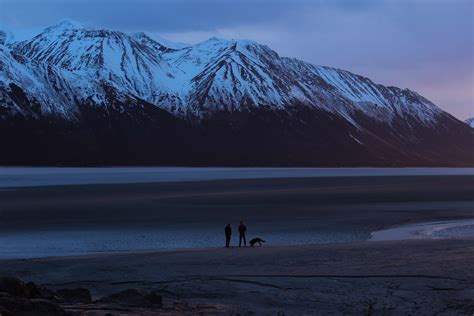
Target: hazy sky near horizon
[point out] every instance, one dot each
(424, 45)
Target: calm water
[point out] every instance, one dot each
(23, 177)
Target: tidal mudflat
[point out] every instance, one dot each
(80, 219)
(168, 237)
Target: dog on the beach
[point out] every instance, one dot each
(256, 241)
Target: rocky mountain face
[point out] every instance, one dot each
(76, 95)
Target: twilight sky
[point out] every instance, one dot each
(424, 45)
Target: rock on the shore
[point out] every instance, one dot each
(74, 296)
(36, 291)
(28, 299)
(13, 286)
(18, 306)
(133, 297)
(18, 298)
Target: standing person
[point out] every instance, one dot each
(242, 230)
(228, 234)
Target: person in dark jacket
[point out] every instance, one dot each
(242, 230)
(228, 234)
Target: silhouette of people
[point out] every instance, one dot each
(242, 230)
(228, 234)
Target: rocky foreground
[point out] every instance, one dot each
(418, 277)
(19, 298)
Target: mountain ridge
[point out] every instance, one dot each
(148, 61)
(69, 71)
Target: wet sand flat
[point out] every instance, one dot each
(391, 278)
(81, 219)
(355, 277)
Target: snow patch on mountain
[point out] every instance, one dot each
(168, 43)
(69, 63)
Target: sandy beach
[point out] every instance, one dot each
(167, 238)
(382, 278)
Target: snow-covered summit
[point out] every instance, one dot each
(213, 75)
(65, 24)
(78, 94)
(168, 43)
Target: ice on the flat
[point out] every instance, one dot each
(430, 230)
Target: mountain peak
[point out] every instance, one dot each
(221, 43)
(215, 39)
(146, 37)
(69, 70)
(231, 41)
(66, 24)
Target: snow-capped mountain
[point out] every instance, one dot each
(79, 75)
(470, 122)
(213, 75)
